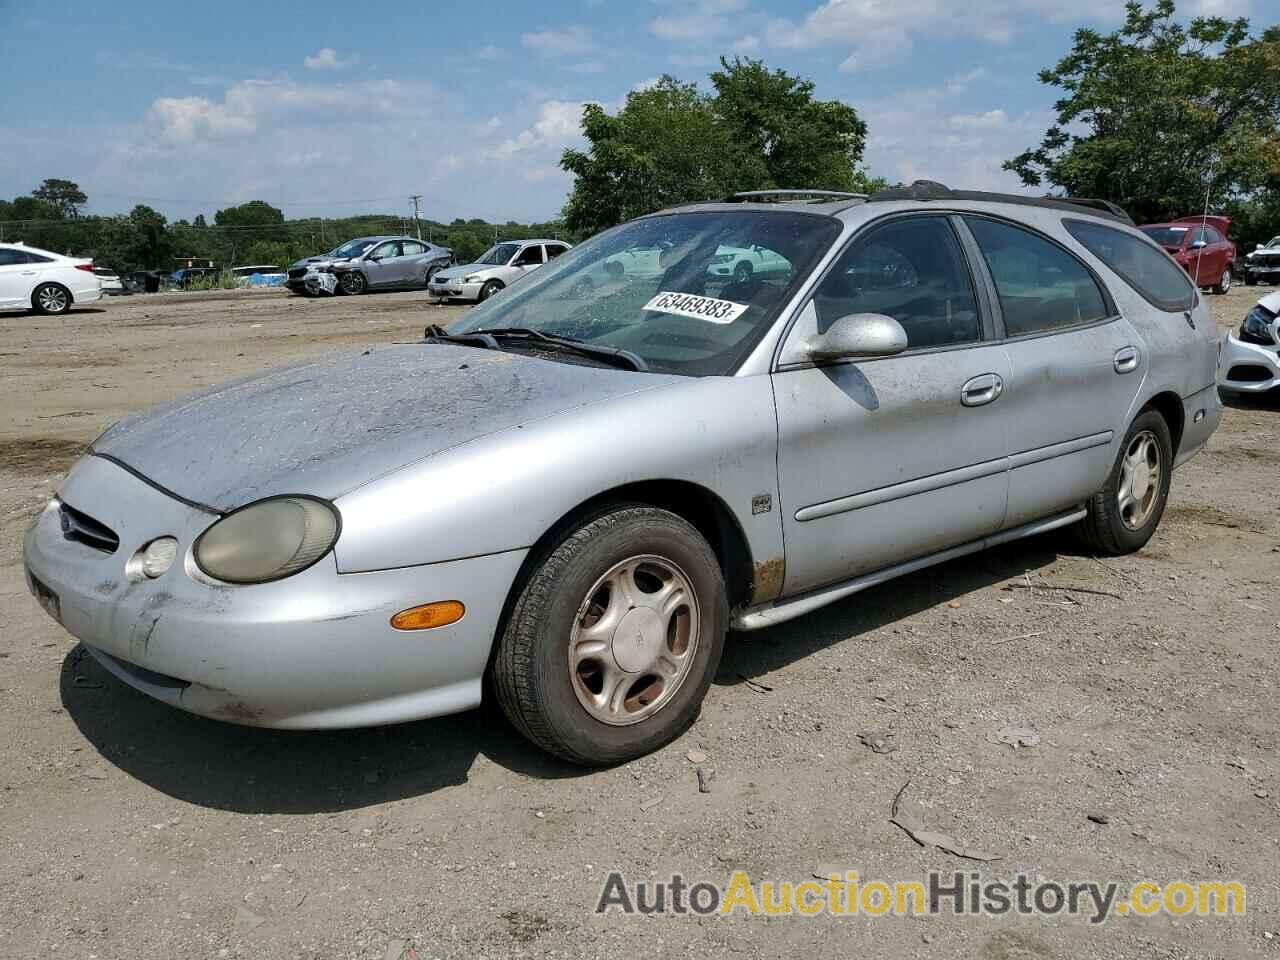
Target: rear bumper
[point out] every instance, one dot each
(315, 650)
(1201, 414)
(1248, 367)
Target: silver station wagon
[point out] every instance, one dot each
(570, 495)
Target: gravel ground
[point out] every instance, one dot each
(131, 829)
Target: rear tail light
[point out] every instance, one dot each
(86, 267)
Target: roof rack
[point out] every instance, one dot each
(782, 196)
(931, 190)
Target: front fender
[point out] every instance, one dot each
(503, 491)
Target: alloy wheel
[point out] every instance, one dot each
(1140, 480)
(633, 640)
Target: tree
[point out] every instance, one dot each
(65, 196)
(255, 213)
(670, 144)
(665, 146)
(152, 245)
(1155, 109)
(804, 142)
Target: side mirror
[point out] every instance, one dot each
(1198, 244)
(859, 335)
(1259, 247)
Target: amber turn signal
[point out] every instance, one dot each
(429, 615)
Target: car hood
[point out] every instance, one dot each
(1264, 252)
(318, 262)
(466, 270)
(330, 425)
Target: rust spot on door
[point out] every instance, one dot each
(766, 580)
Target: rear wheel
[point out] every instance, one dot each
(353, 282)
(1224, 283)
(1124, 514)
(489, 289)
(51, 299)
(614, 638)
(429, 275)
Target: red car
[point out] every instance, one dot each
(1200, 246)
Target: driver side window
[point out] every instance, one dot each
(911, 269)
(529, 257)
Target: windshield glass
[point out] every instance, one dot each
(689, 293)
(500, 255)
(354, 248)
(1166, 236)
(1273, 242)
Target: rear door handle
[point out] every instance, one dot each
(1126, 360)
(981, 389)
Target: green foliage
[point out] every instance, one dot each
(672, 144)
(1151, 108)
(255, 213)
(65, 196)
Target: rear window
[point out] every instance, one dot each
(1146, 268)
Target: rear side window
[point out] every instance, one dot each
(9, 258)
(1041, 286)
(1146, 268)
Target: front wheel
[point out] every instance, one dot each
(489, 289)
(1250, 280)
(1224, 283)
(1124, 514)
(353, 283)
(614, 638)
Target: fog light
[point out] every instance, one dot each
(153, 560)
(428, 616)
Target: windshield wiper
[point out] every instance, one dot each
(492, 337)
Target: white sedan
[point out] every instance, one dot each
(32, 279)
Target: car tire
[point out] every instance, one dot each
(429, 275)
(743, 272)
(353, 283)
(489, 289)
(1124, 514)
(1224, 283)
(590, 576)
(1250, 281)
(51, 299)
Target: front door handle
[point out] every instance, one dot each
(981, 389)
(1126, 360)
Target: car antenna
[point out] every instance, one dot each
(1204, 222)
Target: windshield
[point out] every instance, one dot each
(500, 255)
(354, 248)
(1166, 236)
(689, 293)
(1273, 242)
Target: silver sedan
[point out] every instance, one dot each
(572, 494)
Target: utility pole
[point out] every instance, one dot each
(417, 198)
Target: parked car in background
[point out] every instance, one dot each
(262, 275)
(33, 279)
(744, 263)
(497, 268)
(1200, 246)
(395, 263)
(307, 268)
(569, 502)
(1250, 361)
(1263, 264)
(112, 285)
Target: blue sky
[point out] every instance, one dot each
(326, 111)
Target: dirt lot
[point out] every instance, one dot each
(132, 830)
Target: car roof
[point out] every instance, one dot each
(29, 249)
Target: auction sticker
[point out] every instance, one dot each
(699, 308)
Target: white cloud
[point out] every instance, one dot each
(696, 19)
(991, 120)
(185, 119)
(748, 44)
(490, 52)
(326, 58)
(567, 42)
(559, 124)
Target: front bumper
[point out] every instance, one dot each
(1264, 274)
(454, 289)
(1248, 367)
(315, 650)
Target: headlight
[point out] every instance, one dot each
(268, 540)
(1257, 326)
